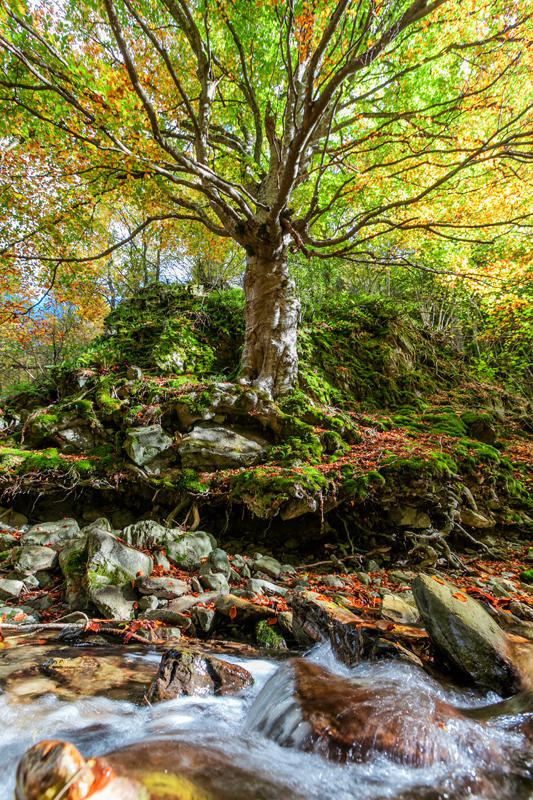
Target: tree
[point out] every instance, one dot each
(330, 127)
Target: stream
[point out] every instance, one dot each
(32, 710)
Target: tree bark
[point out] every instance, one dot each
(270, 356)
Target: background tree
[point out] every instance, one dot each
(335, 129)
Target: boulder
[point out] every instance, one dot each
(217, 561)
(241, 610)
(10, 589)
(170, 615)
(113, 563)
(166, 588)
(269, 565)
(469, 640)
(56, 534)
(34, 558)
(147, 533)
(305, 706)
(395, 608)
(12, 518)
(189, 549)
(215, 581)
(473, 519)
(409, 517)
(189, 672)
(144, 444)
(209, 449)
(113, 602)
(258, 586)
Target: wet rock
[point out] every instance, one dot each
(241, 610)
(209, 449)
(176, 770)
(189, 601)
(469, 640)
(258, 586)
(189, 550)
(170, 616)
(167, 588)
(395, 608)
(30, 559)
(110, 562)
(10, 589)
(214, 581)
(268, 565)
(148, 603)
(55, 534)
(144, 444)
(217, 561)
(409, 517)
(185, 671)
(203, 619)
(307, 707)
(333, 582)
(269, 636)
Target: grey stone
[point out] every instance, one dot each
(473, 519)
(167, 588)
(269, 565)
(373, 566)
(364, 578)
(10, 589)
(72, 562)
(258, 586)
(209, 449)
(170, 617)
(217, 561)
(134, 373)
(12, 518)
(148, 603)
(98, 524)
(56, 534)
(110, 562)
(238, 561)
(189, 601)
(161, 561)
(204, 618)
(144, 444)
(288, 569)
(24, 614)
(189, 549)
(395, 608)
(33, 558)
(196, 586)
(409, 517)
(78, 437)
(113, 602)
(146, 533)
(401, 577)
(45, 579)
(7, 541)
(333, 581)
(246, 572)
(215, 581)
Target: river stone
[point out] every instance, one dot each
(98, 524)
(242, 610)
(269, 565)
(146, 443)
(34, 558)
(258, 586)
(10, 589)
(18, 614)
(189, 672)
(12, 518)
(113, 602)
(72, 562)
(7, 541)
(217, 561)
(467, 637)
(215, 581)
(170, 616)
(304, 706)
(203, 618)
(473, 519)
(395, 608)
(110, 562)
(167, 588)
(209, 449)
(189, 550)
(56, 534)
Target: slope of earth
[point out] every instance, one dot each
(389, 447)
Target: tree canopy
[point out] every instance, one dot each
(371, 130)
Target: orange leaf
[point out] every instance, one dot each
(233, 612)
(459, 596)
(439, 580)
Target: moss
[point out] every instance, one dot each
(190, 481)
(269, 636)
(527, 576)
(75, 562)
(5, 555)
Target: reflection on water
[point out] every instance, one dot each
(99, 724)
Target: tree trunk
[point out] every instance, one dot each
(270, 357)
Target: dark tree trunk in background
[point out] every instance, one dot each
(270, 356)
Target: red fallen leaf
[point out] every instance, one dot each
(459, 596)
(103, 774)
(272, 620)
(140, 573)
(92, 626)
(439, 580)
(20, 615)
(233, 612)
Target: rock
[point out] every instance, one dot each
(12, 518)
(169, 616)
(214, 581)
(189, 672)
(110, 562)
(268, 565)
(217, 561)
(10, 589)
(113, 602)
(98, 524)
(364, 578)
(469, 640)
(20, 614)
(168, 588)
(134, 373)
(189, 550)
(161, 561)
(473, 519)
(258, 586)
(304, 706)
(175, 770)
(187, 602)
(521, 610)
(33, 558)
(238, 561)
(203, 618)
(147, 533)
(316, 620)
(209, 449)
(394, 607)
(77, 438)
(7, 541)
(409, 517)
(148, 603)
(56, 534)
(72, 562)
(333, 581)
(144, 444)
(241, 610)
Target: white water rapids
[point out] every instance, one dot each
(97, 725)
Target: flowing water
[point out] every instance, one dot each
(99, 724)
